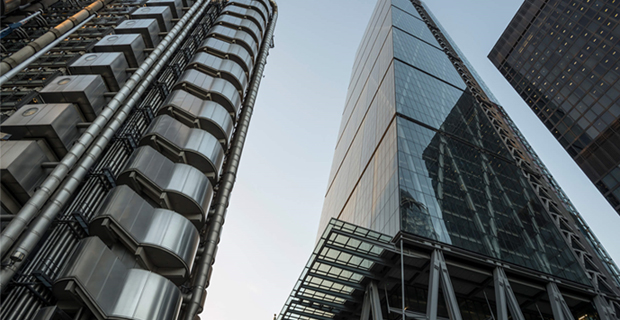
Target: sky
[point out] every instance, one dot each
(276, 203)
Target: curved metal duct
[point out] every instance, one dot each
(175, 186)
(227, 50)
(246, 13)
(246, 25)
(183, 144)
(239, 37)
(259, 6)
(162, 241)
(220, 205)
(221, 68)
(96, 278)
(209, 88)
(199, 113)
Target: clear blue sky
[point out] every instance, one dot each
(275, 207)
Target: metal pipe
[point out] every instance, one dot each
(216, 222)
(59, 31)
(8, 30)
(154, 63)
(16, 227)
(6, 76)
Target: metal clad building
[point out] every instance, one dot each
(562, 57)
(433, 189)
(122, 131)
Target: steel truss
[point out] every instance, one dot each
(593, 258)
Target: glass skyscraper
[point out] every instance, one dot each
(562, 57)
(432, 184)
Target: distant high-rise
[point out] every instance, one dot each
(433, 184)
(562, 57)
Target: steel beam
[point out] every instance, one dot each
(558, 305)
(504, 297)
(439, 274)
(605, 310)
(353, 285)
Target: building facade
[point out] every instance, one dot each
(433, 189)
(122, 132)
(562, 57)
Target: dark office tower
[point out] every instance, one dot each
(433, 189)
(122, 132)
(562, 57)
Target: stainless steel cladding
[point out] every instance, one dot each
(209, 88)
(176, 6)
(246, 25)
(54, 123)
(235, 36)
(161, 240)
(21, 170)
(96, 277)
(86, 91)
(183, 144)
(175, 186)
(131, 45)
(148, 28)
(163, 15)
(231, 51)
(111, 66)
(261, 6)
(246, 13)
(222, 68)
(199, 113)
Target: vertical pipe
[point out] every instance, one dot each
(203, 274)
(151, 67)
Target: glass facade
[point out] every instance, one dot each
(562, 57)
(416, 153)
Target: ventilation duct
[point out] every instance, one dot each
(86, 91)
(56, 124)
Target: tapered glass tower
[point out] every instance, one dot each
(433, 184)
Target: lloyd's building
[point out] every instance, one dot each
(122, 131)
(436, 206)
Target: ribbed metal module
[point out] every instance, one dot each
(122, 132)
